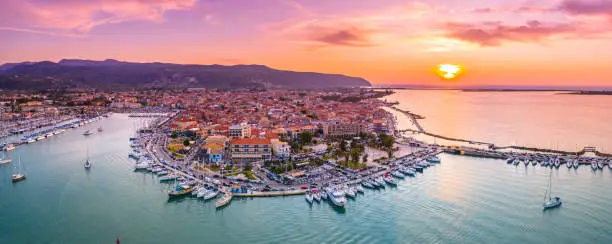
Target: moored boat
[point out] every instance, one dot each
(390, 181)
(180, 190)
(337, 197)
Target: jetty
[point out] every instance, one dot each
(412, 116)
(271, 193)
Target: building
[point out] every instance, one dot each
(240, 131)
(280, 149)
(250, 149)
(215, 152)
(343, 129)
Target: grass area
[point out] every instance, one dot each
(175, 147)
(249, 175)
(214, 168)
(178, 155)
(352, 165)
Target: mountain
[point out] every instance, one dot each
(113, 74)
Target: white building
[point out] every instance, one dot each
(240, 131)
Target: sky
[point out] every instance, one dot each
(498, 42)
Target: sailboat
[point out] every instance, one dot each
(549, 201)
(4, 159)
(87, 163)
(19, 176)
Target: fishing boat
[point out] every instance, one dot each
(180, 190)
(87, 132)
(309, 198)
(9, 147)
(4, 159)
(337, 197)
(549, 201)
(20, 175)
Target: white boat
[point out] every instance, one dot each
(367, 184)
(141, 165)
(316, 196)
(4, 159)
(349, 192)
(19, 176)
(168, 177)
(309, 197)
(211, 195)
(397, 174)
(609, 164)
(162, 172)
(549, 201)
(594, 166)
(526, 162)
(201, 192)
(576, 163)
(391, 181)
(359, 189)
(557, 163)
(380, 181)
(569, 164)
(337, 197)
(9, 147)
(38, 138)
(87, 132)
(196, 190)
(600, 165)
(87, 164)
(434, 160)
(323, 195)
(534, 162)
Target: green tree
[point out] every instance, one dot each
(248, 167)
(365, 158)
(387, 141)
(355, 153)
(174, 135)
(343, 146)
(390, 153)
(305, 138)
(186, 142)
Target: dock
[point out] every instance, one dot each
(271, 193)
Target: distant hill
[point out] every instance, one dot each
(113, 74)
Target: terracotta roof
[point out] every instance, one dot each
(250, 141)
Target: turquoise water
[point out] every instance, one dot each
(463, 200)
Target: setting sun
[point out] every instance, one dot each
(448, 71)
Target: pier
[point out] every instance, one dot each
(271, 193)
(414, 117)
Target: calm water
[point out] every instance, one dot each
(541, 119)
(463, 200)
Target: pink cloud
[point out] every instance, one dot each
(495, 34)
(575, 7)
(82, 16)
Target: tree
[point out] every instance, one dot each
(343, 146)
(355, 153)
(248, 167)
(365, 158)
(346, 157)
(390, 153)
(387, 141)
(174, 135)
(186, 142)
(305, 138)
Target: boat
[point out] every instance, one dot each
(600, 165)
(510, 160)
(557, 163)
(350, 192)
(390, 181)
(576, 163)
(316, 196)
(323, 195)
(196, 190)
(526, 162)
(309, 198)
(9, 147)
(87, 132)
(210, 194)
(162, 172)
(380, 181)
(359, 189)
(569, 164)
(4, 159)
(19, 176)
(141, 165)
(534, 162)
(594, 166)
(549, 201)
(87, 164)
(516, 162)
(100, 129)
(418, 168)
(434, 160)
(337, 197)
(180, 190)
(367, 184)
(168, 177)
(397, 174)
(609, 164)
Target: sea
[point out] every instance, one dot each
(461, 200)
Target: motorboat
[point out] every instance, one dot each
(600, 165)
(350, 192)
(534, 162)
(526, 162)
(4, 159)
(337, 197)
(367, 184)
(359, 189)
(323, 195)
(168, 178)
(87, 133)
(510, 160)
(100, 129)
(210, 194)
(516, 162)
(162, 172)
(390, 181)
(434, 159)
(309, 197)
(576, 163)
(9, 147)
(397, 174)
(316, 196)
(569, 163)
(557, 163)
(594, 166)
(380, 181)
(180, 190)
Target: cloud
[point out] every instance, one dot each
(598, 7)
(495, 34)
(81, 16)
(351, 36)
(481, 10)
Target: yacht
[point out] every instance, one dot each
(4, 159)
(600, 165)
(391, 181)
(19, 176)
(359, 189)
(180, 190)
(309, 197)
(316, 196)
(168, 178)
(9, 147)
(337, 197)
(380, 181)
(534, 162)
(434, 160)
(210, 194)
(594, 166)
(551, 202)
(87, 132)
(367, 184)
(510, 160)
(323, 194)
(576, 163)
(569, 163)
(397, 174)
(350, 192)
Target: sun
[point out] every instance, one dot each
(448, 71)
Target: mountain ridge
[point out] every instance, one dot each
(114, 74)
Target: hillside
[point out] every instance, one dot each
(113, 74)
